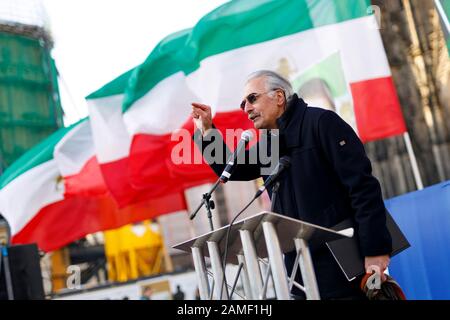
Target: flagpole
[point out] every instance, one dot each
(412, 158)
(441, 12)
(168, 264)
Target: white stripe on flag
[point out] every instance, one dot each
(163, 109)
(74, 150)
(111, 138)
(38, 187)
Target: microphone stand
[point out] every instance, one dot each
(275, 188)
(206, 198)
(208, 203)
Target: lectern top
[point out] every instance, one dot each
(287, 230)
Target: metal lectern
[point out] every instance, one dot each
(263, 235)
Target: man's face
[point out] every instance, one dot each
(267, 105)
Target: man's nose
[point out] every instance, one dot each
(248, 107)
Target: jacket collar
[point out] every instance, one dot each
(290, 122)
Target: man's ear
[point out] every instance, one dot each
(280, 98)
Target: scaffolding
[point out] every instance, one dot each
(30, 107)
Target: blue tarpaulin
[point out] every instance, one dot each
(423, 270)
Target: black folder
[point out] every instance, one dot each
(348, 254)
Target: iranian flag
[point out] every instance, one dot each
(209, 64)
(151, 156)
(55, 193)
(111, 139)
(112, 145)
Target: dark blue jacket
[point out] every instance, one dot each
(330, 179)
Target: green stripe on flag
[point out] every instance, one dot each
(242, 23)
(446, 7)
(165, 60)
(37, 155)
(117, 86)
(444, 15)
(234, 25)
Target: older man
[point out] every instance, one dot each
(329, 179)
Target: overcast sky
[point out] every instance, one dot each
(97, 40)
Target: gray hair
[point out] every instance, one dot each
(274, 81)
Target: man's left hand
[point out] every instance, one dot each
(377, 264)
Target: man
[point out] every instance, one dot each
(329, 179)
(147, 293)
(179, 294)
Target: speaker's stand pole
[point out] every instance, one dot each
(5, 260)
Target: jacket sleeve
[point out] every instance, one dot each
(214, 142)
(346, 153)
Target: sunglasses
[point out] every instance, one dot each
(252, 97)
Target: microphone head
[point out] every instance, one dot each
(285, 161)
(247, 135)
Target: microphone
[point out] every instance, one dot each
(283, 164)
(246, 136)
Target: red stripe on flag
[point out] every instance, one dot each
(70, 219)
(151, 164)
(377, 109)
(109, 179)
(88, 182)
(117, 180)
